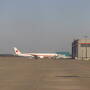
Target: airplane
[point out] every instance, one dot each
(35, 55)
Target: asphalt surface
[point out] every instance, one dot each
(26, 74)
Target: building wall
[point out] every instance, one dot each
(81, 49)
(75, 49)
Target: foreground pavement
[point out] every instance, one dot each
(26, 74)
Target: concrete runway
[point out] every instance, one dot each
(26, 74)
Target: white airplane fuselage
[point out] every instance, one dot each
(43, 55)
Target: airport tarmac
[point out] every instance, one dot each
(27, 74)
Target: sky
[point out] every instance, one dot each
(42, 25)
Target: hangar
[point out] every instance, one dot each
(81, 49)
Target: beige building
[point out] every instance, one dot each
(81, 49)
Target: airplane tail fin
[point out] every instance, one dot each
(17, 51)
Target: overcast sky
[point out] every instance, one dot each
(42, 25)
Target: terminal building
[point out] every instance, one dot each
(81, 49)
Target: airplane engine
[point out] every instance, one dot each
(41, 57)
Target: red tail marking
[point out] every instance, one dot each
(17, 51)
